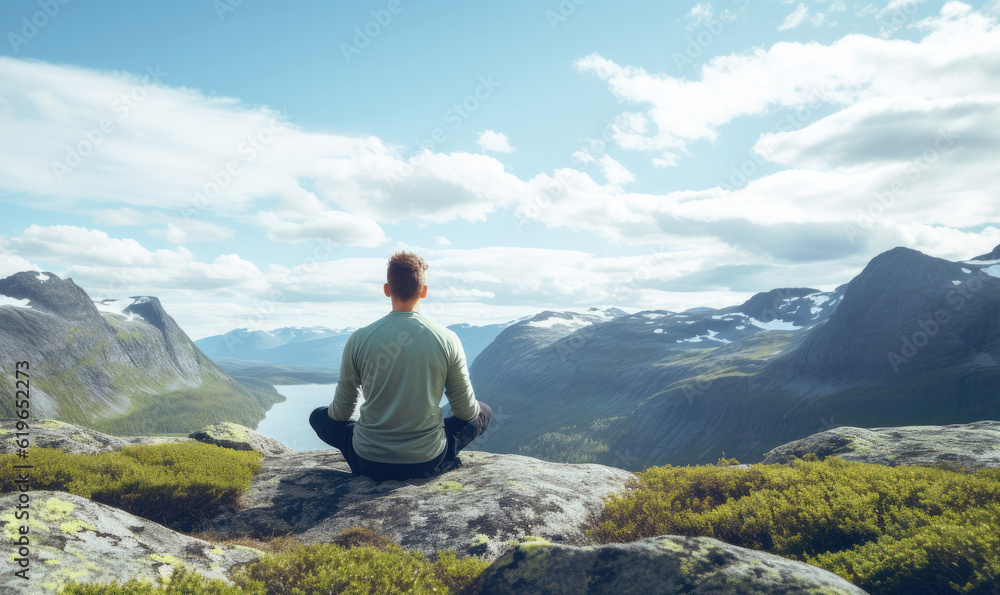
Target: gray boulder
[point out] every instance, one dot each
(481, 508)
(237, 437)
(655, 565)
(71, 438)
(972, 446)
(73, 538)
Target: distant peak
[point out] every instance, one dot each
(994, 255)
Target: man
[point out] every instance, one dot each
(402, 363)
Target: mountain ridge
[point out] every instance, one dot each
(129, 367)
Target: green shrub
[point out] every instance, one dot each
(172, 484)
(322, 568)
(182, 582)
(330, 568)
(886, 529)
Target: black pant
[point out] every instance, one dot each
(458, 432)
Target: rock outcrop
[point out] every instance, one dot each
(525, 515)
(957, 446)
(71, 438)
(478, 509)
(237, 437)
(73, 538)
(661, 565)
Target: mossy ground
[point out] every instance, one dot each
(358, 561)
(172, 484)
(885, 529)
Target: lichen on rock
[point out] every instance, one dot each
(665, 565)
(237, 437)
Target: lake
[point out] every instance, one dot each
(288, 422)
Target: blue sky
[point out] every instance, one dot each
(254, 165)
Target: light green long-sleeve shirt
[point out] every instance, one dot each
(402, 363)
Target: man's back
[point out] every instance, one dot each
(402, 363)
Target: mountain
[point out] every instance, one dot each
(121, 366)
(294, 355)
(288, 355)
(911, 340)
(476, 338)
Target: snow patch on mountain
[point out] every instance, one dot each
(554, 320)
(774, 325)
(118, 306)
(709, 336)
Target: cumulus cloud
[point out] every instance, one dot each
(336, 227)
(494, 142)
(955, 58)
(700, 13)
(795, 18)
(70, 135)
(119, 265)
(614, 172)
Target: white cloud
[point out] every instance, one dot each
(700, 13)
(176, 230)
(795, 18)
(335, 227)
(12, 263)
(494, 142)
(211, 156)
(442, 241)
(614, 172)
(956, 57)
(120, 265)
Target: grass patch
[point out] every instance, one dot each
(885, 529)
(173, 484)
(359, 561)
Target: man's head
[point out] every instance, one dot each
(405, 277)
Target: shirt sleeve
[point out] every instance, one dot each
(457, 386)
(349, 382)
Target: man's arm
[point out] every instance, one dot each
(346, 395)
(457, 386)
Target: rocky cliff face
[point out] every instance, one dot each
(97, 362)
(912, 340)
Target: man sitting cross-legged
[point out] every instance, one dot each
(402, 363)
